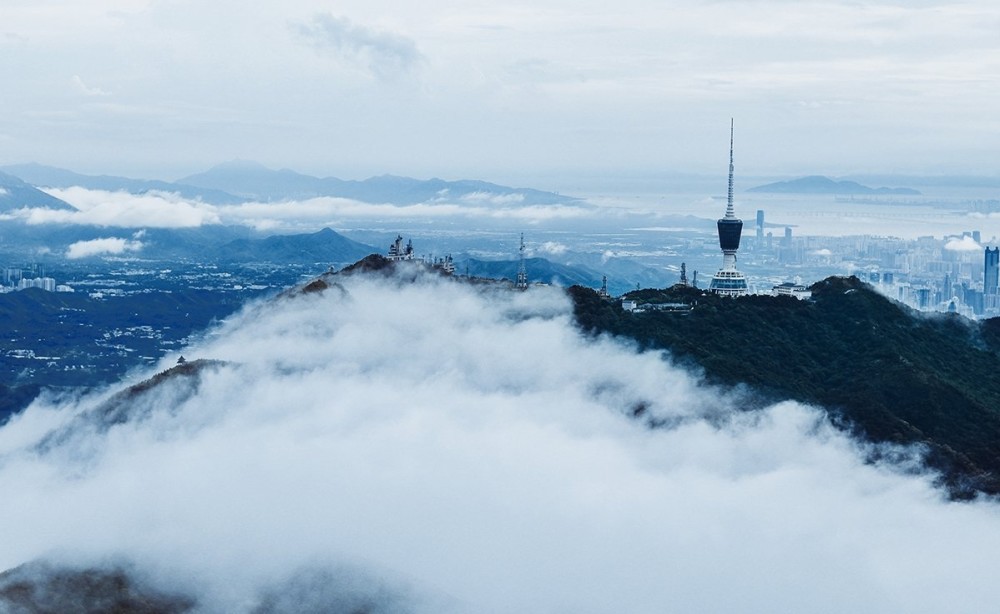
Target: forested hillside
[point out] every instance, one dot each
(880, 369)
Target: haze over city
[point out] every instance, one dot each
(543, 92)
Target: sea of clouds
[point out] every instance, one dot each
(808, 215)
(443, 448)
(156, 209)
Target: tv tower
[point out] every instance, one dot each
(728, 281)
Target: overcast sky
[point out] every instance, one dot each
(543, 90)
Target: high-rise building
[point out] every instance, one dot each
(991, 271)
(728, 281)
(760, 227)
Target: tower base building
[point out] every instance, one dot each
(729, 282)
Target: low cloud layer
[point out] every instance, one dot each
(963, 244)
(99, 247)
(331, 211)
(471, 449)
(122, 209)
(170, 210)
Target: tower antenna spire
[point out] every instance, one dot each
(730, 212)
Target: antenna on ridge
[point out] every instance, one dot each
(522, 272)
(730, 212)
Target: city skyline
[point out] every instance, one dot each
(552, 90)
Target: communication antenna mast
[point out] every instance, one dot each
(684, 275)
(730, 212)
(522, 272)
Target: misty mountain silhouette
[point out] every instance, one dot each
(817, 184)
(255, 181)
(53, 177)
(15, 194)
(321, 246)
(238, 181)
(41, 587)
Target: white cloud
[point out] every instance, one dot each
(472, 444)
(98, 247)
(964, 244)
(553, 247)
(168, 210)
(495, 199)
(86, 90)
(384, 53)
(330, 211)
(121, 209)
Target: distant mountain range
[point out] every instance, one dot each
(52, 177)
(254, 181)
(16, 194)
(205, 244)
(817, 184)
(240, 181)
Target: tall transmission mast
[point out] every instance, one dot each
(730, 212)
(729, 281)
(522, 272)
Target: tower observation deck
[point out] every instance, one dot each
(728, 281)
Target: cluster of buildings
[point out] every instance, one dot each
(18, 279)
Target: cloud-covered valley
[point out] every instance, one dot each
(468, 450)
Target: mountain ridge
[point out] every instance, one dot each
(15, 193)
(880, 371)
(253, 180)
(818, 184)
(43, 176)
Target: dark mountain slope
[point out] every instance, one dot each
(46, 332)
(881, 370)
(41, 588)
(323, 246)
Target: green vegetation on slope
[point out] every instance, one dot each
(887, 373)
